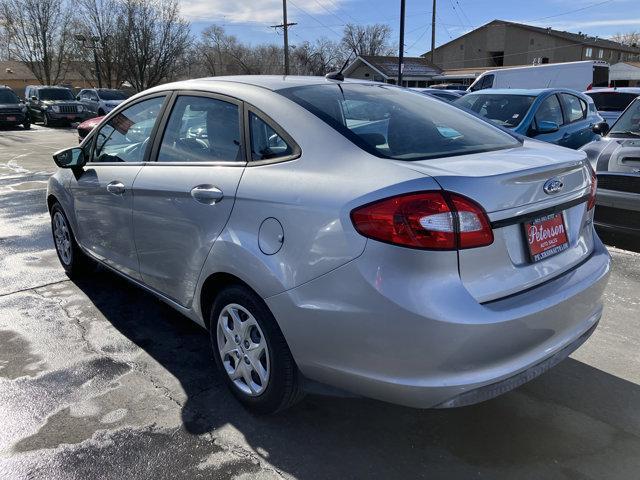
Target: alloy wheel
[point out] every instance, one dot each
(243, 349)
(62, 238)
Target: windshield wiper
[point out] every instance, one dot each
(626, 132)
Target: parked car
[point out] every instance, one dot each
(409, 252)
(580, 76)
(12, 111)
(85, 127)
(100, 101)
(53, 105)
(563, 117)
(611, 102)
(617, 162)
(447, 95)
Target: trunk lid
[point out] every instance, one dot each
(509, 185)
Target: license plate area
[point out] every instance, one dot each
(11, 119)
(545, 236)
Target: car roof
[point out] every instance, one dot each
(520, 91)
(270, 82)
(614, 89)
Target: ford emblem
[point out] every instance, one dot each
(553, 185)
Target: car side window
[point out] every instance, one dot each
(266, 143)
(576, 108)
(126, 136)
(202, 129)
(550, 111)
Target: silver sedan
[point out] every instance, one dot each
(350, 233)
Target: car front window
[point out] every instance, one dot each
(111, 95)
(125, 137)
(391, 122)
(629, 121)
(56, 94)
(504, 110)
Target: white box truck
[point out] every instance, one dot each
(579, 76)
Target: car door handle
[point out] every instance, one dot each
(207, 194)
(115, 187)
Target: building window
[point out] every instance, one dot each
(462, 46)
(531, 41)
(588, 52)
(600, 53)
(366, 74)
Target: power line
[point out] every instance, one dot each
(570, 11)
(314, 18)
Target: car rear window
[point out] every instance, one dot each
(7, 96)
(391, 122)
(612, 101)
(504, 110)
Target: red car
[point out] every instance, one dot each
(85, 127)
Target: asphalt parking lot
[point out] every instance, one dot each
(101, 380)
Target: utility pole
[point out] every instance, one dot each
(433, 30)
(401, 52)
(285, 26)
(93, 46)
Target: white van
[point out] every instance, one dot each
(579, 76)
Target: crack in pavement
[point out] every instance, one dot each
(33, 289)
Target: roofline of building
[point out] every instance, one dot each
(347, 69)
(586, 41)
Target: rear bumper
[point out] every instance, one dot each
(618, 211)
(19, 118)
(377, 328)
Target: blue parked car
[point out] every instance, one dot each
(555, 115)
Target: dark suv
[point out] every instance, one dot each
(53, 105)
(12, 111)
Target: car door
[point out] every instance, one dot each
(549, 110)
(578, 127)
(102, 191)
(94, 102)
(183, 199)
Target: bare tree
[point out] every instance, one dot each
(367, 40)
(223, 54)
(102, 19)
(39, 36)
(317, 58)
(156, 38)
(628, 38)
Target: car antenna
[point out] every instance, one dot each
(338, 75)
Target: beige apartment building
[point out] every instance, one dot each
(501, 43)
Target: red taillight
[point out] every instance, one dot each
(429, 220)
(590, 86)
(592, 191)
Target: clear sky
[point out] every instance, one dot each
(249, 20)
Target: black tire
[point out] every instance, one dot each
(284, 387)
(101, 113)
(26, 125)
(76, 263)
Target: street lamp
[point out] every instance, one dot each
(93, 46)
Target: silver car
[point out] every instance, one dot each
(350, 233)
(616, 159)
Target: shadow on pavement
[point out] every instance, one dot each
(572, 422)
(620, 240)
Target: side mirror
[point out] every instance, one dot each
(69, 158)
(547, 126)
(601, 128)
